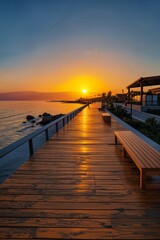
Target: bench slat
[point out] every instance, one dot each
(146, 158)
(150, 158)
(148, 149)
(144, 152)
(132, 152)
(151, 155)
(142, 146)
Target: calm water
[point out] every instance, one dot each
(13, 114)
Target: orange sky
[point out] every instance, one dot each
(59, 46)
(96, 71)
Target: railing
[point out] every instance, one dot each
(17, 150)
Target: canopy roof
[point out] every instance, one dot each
(145, 81)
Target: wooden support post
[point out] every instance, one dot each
(129, 95)
(142, 179)
(31, 147)
(141, 96)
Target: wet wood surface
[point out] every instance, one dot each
(78, 186)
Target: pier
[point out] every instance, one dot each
(78, 186)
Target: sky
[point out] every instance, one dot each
(76, 45)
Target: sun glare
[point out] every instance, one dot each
(84, 91)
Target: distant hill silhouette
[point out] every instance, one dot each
(31, 95)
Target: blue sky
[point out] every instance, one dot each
(119, 40)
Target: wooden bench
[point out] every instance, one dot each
(146, 158)
(106, 117)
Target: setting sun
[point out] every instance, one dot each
(84, 91)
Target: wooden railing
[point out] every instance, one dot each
(13, 155)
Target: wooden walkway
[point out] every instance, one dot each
(78, 187)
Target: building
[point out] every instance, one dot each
(150, 99)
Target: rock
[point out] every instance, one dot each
(29, 117)
(46, 114)
(33, 121)
(47, 118)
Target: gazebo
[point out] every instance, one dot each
(143, 82)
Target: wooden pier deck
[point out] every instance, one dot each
(77, 186)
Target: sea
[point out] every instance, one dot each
(13, 124)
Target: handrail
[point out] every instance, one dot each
(29, 138)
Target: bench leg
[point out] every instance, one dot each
(142, 179)
(124, 152)
(116, 140)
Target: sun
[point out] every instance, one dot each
(84, 91)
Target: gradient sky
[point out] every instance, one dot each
(70, 45)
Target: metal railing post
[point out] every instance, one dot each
(31, 151)
(63, 122)
(46, 133)
(57, 127)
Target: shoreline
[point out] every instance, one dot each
(68, 101)
(13, 114)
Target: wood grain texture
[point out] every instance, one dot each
(144, 156)
(77, 186)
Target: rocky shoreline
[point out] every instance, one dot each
(42, 119)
